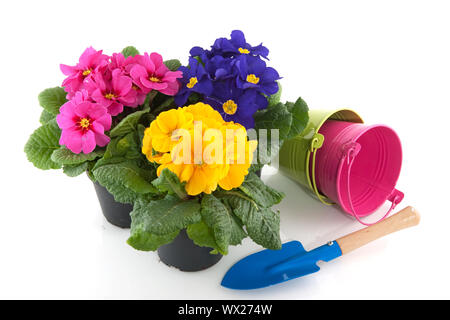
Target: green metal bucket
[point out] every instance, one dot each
(297, 153)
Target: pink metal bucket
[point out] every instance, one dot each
(358, 167)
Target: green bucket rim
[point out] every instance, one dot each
(314, 141)
(317, 142)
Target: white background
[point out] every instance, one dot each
(389, 60)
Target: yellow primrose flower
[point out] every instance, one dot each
(213, 153)
(205, 113)
(201, 177)
(162, 129)
(201, 166)
(238, 155)
(147, 148)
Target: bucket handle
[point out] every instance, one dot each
(316, 143)
(350, 150)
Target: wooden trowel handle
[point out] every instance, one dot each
(405, 218)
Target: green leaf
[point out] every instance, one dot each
(130, 51)
(220, 219)
(128, 124)
(261, 193)
(202, 235)
(299, 111)
(169, 182)
(273, 117)
(194, 98)
(124, 180)
(121, 149)
(275, 98)
(146, 241)
(65, 156)
(165, 216)
(173, 64)
(163, 103)
(46, 117)
(262, 224)
(130, 146)
(73, 170)
(255, 167)
(118, 190)
(41, 145)
(128, 174)
(141, 130)
(52, 99)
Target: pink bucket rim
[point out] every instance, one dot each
(394, 197)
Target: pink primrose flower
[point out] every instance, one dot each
(89, 63)
(150, 73)
(83, 126)
(113, 94)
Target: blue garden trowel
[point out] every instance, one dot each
(269, 267)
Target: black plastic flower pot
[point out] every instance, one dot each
(183, 254)
(115, 212)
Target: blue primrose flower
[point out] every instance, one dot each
(220, 68)
(254, 74)
(231, 77)
(237, 45)
(195, 79)
(203, 54)
(235, 104)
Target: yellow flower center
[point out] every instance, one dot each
(87, 72)
(192, 82)
(154, 79)
(244, 51)
(252, 79)
(229, 107)
(135, 87)
(110, 96)
(84, 123)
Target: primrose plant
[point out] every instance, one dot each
(182, 144)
